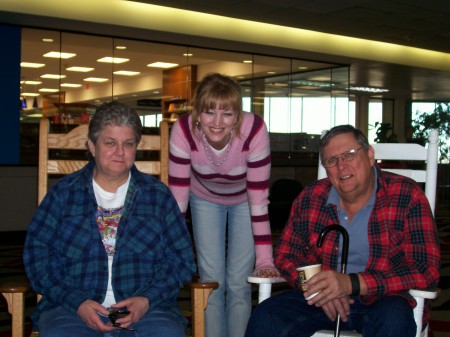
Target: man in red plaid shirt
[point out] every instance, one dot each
(393, 247)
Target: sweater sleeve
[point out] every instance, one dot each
(259, 163)
(180, 165)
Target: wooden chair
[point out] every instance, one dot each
(76, 140)
(428, 176)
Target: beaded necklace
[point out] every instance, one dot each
(207, 146)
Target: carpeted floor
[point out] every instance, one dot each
(11, 267)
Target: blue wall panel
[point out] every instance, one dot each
(10, 95)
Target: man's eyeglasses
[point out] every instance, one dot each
(345, 157)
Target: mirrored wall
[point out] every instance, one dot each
(64, 76)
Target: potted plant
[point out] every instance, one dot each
(384, 133)
(439, 119)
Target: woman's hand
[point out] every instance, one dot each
(266, 272)
(137, 306)
(89, 311)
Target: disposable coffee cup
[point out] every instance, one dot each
(305, 273)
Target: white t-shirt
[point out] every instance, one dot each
(109, 212)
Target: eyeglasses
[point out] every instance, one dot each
(345, 157)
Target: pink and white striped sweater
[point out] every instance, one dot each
(243, 176)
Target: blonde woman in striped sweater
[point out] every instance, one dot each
(220, 166)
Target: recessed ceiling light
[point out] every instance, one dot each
(47, 40)
(31, 65)
(247, 61)
(302, 68)
(320, 78)
(162, 65)
(121, 47)
(59, 55)
(53, 76)
(115, 60)
(188, 54)
(278, 84)
(48, 90)
(367, 89)
(80, 69)
(95, 79)
(271, 72)
(29, 94)
(70, 85)
(38, 115)
(32, 82)
(269, 92)
(126, 73)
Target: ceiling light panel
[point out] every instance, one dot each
(70, 85)
(162, 65)
(48, 90)
(59, 55)
(126, 73)
(80, 69)
(31, 65)
(32, 82)
(115, 60)
(95, 79)
(53, 76)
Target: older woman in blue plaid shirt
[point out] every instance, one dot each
(109, 236)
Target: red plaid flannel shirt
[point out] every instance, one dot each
(404, 244)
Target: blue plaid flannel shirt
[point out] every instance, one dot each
(65, 259)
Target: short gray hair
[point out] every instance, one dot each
(360, 137)
(114, 114)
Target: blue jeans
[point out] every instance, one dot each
(228, 262)
(289, 315)
(58, 322)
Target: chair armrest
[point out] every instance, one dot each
(14, 293)
(265, 285)
(200, 292)
(420, 296)
(260, 280)
(426, 294)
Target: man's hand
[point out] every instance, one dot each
(337, 306)
(333, 289)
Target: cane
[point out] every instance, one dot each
(344, 257)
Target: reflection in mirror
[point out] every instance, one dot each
(271, 98)
(140, 83)
(237, 65)
(290, 94)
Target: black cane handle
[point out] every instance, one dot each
(344, 258)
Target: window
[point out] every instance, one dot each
(288, 93)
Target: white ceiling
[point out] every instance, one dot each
(416, 23)
(422, 24)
